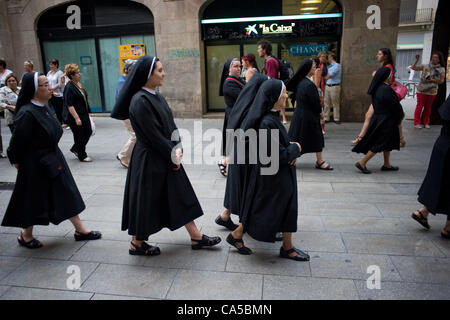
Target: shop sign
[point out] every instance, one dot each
(276, 28)
(307, 49)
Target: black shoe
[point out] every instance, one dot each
(243, 249)
(279, 236)
(301, 256)
(420, 218)
(205, 242)
(226, 223)
(93, 235)
(363, 169)
(391, 168)
(144, 250)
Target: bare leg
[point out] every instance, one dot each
(446, 229)
(386, 156)
(320, 160)
(366, 158)
(238, 233)
(225, 214)
(367, 118)
(402, 139)
(78, 224)
(27, 234)
(192, 229)
(287, 243)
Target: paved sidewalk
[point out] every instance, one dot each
(347, 222)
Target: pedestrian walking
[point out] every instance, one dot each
(76, 101)
(158, 193)
(124, 155)
(57, 99)
(384, 58)
(305, 124)
(45, 191)
(237, 172)
(271, 65)
(231, 85)
(8, 100)
(249, 66)
(268, 210)
(3, 72)
(433, 74)
(323, 66)
(333, 90)
(435, 190)
(317, 78)
(382, 133)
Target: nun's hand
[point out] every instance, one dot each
(78, 122)
(298, 145)
(293, 162)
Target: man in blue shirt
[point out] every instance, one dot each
(333, 89)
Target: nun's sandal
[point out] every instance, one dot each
(144, 250)
(205, 242)
(241, 250)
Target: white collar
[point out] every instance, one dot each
(37, 103)
(149, 90)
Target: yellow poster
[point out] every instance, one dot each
(130, 51)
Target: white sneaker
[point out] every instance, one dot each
(418, 126)
(427, 126)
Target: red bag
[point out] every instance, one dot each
(400, 90)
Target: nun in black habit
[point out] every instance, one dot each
(270, 204)
(158, 193)
(382, 133)
(45, 190)
(435, 190)
(236, 171)
(231, 85)
(306, 127)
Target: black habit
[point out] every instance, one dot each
(45, 190)
(435, 190)
(270, 204)
(236, 172)
(382, 133)
(156, 196)
(305, 125)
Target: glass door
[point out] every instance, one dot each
(216, 56)
(253, 48)
(82, 53)
(109, 53)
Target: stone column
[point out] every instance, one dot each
(358, 50)
(6, 48)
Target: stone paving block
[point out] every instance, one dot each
(209, 285)
(320, 197)
(307, 288)
(98, 200)
(420, 269)
(317, 241)
(441, 243)
(392, 197)
(310, 223)
(368, 225)
(338, 209)
(183, 257)
(314, 187)
(391, 245)
(403, 291)
(351, 266)
(20, 293)
(116, 190)
(329, 176)
(179, 236)
(47, 274)
(263, 261)
(9, 264)
(130, 281)
(54, 248)
(406, 188)
(51, 230)
(105, 213)
(3, 289)
(364, 188)
(110, 252)
(109, 230)
(99, 296)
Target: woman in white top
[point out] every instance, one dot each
(57, 99)
(8, 99)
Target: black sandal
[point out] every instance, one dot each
(422, 220)
(93, 235)
(363, 169)
(226, 223)
(32, 244)
(319, 166)
(144, 250)
(223, 169)
(301, 256)
(243, 249)
(205, 242)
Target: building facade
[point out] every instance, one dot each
(193, 39)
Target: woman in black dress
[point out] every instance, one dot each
(382, 133)
(236, 171)
(270, 204)
(435, 190)
(158, 193)
(45, 190)
(306, 127)
(76, 102)
(231, 86)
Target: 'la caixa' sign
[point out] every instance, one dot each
(281, 26)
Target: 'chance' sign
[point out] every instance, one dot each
(307, 49)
